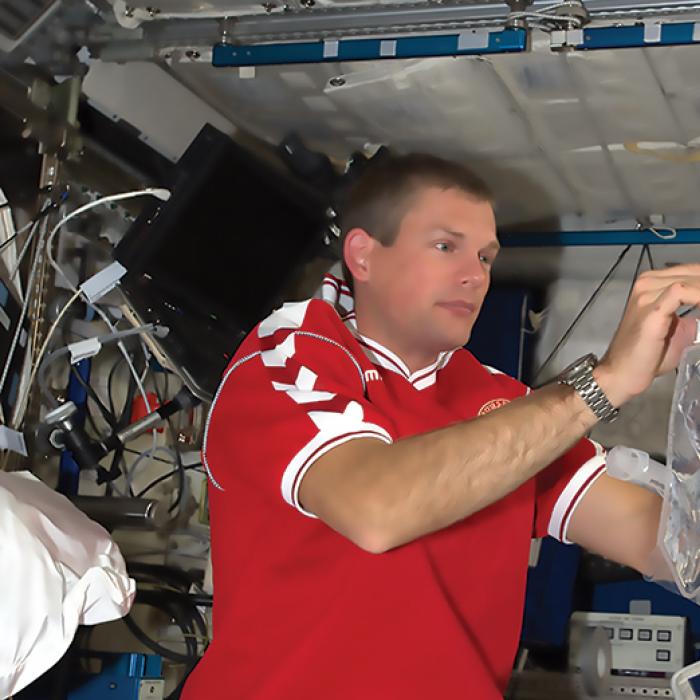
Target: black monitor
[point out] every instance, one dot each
(216, 258)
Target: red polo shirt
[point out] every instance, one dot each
(302, 612)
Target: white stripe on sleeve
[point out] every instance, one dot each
(323, 442)
(574, 491)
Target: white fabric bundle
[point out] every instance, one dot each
(59, 570)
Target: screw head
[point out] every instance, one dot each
(337, 82)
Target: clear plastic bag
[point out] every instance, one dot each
(679, 529)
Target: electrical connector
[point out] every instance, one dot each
(84, 349)
(12, 440)
(103, 282)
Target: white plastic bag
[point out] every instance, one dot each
(59, 570)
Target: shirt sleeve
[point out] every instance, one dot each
(279, 409)
(562, 485)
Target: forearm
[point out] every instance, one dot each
(396, 493)
(433, 480)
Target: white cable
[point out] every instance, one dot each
(9, 235)
(555, 6)
(96, 344)
(158, 192)
(124, 352)
(148, 454)
(23, 312)
(569, 19)
(664, 237)
(132, 369)
(544, 10)
(29, 224)
(19, 413)
(25, 248)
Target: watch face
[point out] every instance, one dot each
(589, 360)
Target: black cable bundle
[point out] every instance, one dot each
(171, 597)
(180, 470)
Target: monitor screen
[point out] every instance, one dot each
(215, 258)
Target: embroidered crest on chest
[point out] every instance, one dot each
(492, 406)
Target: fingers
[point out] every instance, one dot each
(667, 286)
(651, 337)
(675, 295)
(684, 270)
(651, 280)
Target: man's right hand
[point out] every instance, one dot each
(651, 337)
(381, 496)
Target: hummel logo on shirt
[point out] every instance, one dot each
(372, 375)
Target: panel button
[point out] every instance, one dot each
(663, 636)
(625, 633)
(663, 655)
(610, 631)
(644, 635)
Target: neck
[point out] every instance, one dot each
(375, 329)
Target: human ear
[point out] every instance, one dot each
(357, 250)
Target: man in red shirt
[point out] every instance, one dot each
(374, 488)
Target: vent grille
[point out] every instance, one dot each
(18, 16)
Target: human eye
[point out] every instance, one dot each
(488, 257)
(445, 246)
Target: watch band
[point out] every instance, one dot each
(579, 377)
(589, 390)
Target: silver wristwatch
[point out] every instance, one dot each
(579, 376)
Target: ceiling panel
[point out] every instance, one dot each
(601, 136)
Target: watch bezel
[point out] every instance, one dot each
(587, 361)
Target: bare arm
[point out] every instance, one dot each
(620, 521)
(381, 496)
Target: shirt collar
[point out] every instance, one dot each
(336, 292)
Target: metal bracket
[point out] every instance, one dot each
(55, 125)
(641, 35)
(470, 42)
(565, 39)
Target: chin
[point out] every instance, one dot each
(445, 337)
(454, 341)
(461, 337)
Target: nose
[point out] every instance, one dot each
(473, 272)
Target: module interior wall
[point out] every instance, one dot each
(606, 134)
